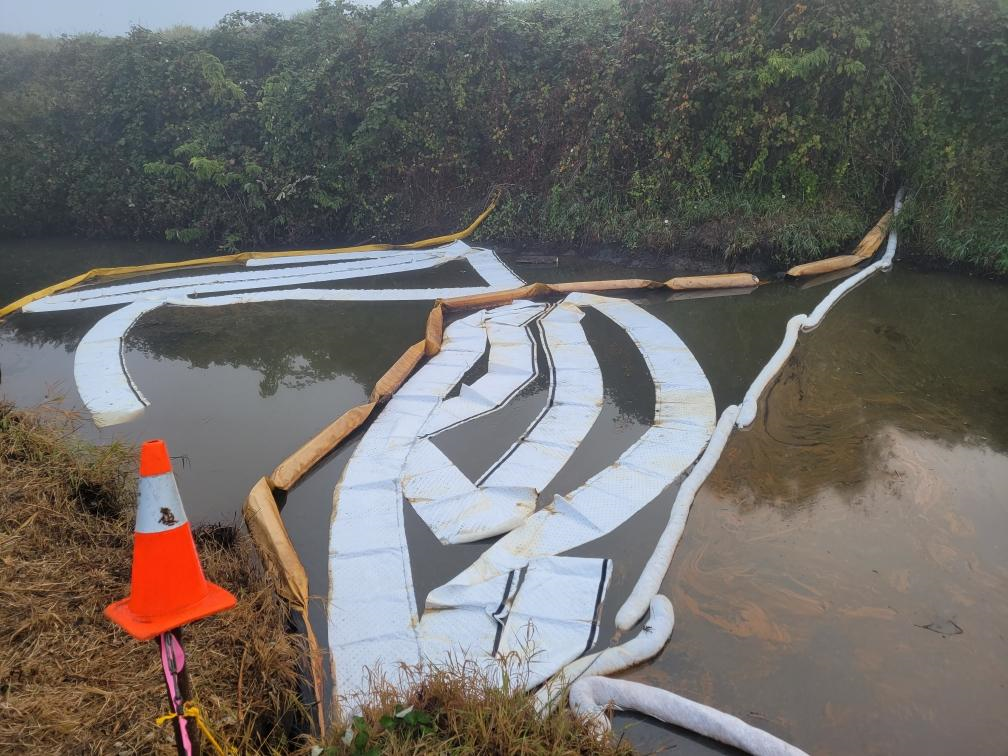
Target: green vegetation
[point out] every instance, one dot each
(730, 126)
(459, 709)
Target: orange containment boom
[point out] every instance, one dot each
(865, 249)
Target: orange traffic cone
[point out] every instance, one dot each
(167, 587)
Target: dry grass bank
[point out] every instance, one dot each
(457, 709)
(71, 682)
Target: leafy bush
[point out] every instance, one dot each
(789, 127)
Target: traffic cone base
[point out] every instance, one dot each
(147, 628)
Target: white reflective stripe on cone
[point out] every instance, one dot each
(160, 506)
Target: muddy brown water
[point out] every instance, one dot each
(843, 579)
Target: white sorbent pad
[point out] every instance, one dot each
(647, 644)
(532, 604)
(372, 612)
(470, 631)
(553, 619)
(459, 510)
(493, 271)
(574, 405)
(511, 368)
(182, 286)
(101, 376)
(683, 424)
(530, 621)
(497, 275)
(258, 262)
(331, 295)
(103, 382)
(454, 508)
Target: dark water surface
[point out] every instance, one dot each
(843, 580)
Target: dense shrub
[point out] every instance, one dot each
(732, 124)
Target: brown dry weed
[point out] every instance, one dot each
(70, 681)
(459, 708)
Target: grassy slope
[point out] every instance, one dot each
(457, 709)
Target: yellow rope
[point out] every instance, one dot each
(191, 711)
(242, 257)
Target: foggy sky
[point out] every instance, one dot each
(113, 17)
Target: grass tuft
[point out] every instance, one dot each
(460, 708)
